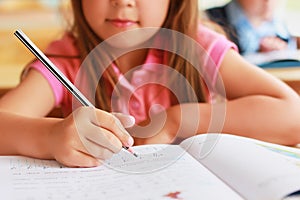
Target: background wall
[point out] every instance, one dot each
(211, 3)
(292, 16)
(39, 19)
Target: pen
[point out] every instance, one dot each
(58, 74)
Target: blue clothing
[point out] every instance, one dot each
(248, 37)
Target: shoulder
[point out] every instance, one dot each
(64, 54)
(214, 48)
(65, 46)
(211, 40)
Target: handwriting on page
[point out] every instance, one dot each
(27, 164)
(151, 158)
(32, 179)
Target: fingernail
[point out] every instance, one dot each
(131, 121)
(130, 141)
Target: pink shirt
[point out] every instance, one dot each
(147, 84)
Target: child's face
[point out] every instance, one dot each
(109, 17)
(260, 8)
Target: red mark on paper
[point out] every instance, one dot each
(173, 195)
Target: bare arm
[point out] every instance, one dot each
(78, 140)
(258, 106)
(19, 122)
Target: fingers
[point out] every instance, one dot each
(271, 44)
(89, 134)
(111, 123)
(99, 135)
(126, 120)
(102, 133)
(79, 159)
(98, 151)
(97, 139)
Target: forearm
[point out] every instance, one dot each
(265, 118)
(261, 117)
(25, 136)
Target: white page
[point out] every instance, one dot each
(262, 58)
(256, 172)
(153, 176)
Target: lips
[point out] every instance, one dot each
(121, 23)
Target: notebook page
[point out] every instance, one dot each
(253, 170)
(183, 178)
(267, 57)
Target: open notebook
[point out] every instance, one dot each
(209, 166)
(275, 59)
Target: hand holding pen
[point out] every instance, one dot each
(98, 129)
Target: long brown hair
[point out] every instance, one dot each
(183, 16)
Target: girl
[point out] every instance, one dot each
(257, 104)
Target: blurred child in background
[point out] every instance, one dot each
(254, 26)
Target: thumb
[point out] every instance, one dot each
(126, 120)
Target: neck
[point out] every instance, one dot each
(131, 60)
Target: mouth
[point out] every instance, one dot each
(122, 23)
